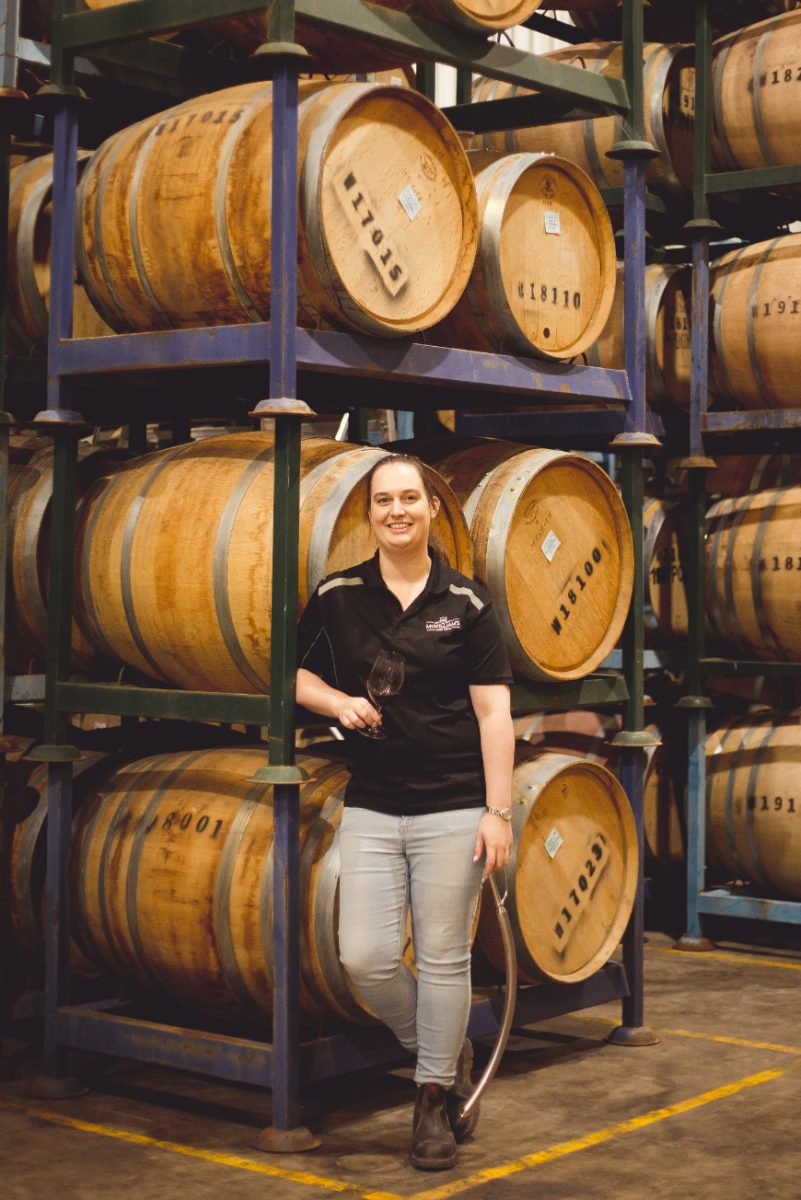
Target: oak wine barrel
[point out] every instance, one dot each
(552, 544)
(30, 495)
(573, 872)
(172, 878)
(544, 276)
(387, 218)
(669, 90)
(667, 335)
(582, 733)
(29, 220)
(182, 590)
(753, 572)
(753, 800)
(755, 73)
(666, 526)
(756, 304)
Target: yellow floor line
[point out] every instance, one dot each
(453, 1188)
(777, 1047)
(731, 957)
(724, 1039)
(213, 1156)
(594, 1139)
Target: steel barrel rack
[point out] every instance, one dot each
(467, 379)
(722, 432)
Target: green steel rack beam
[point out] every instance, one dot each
(124, 701)
(391, 30)
(766, 178)
(594, 691)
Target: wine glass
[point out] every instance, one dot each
(385, 680)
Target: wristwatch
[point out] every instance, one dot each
(504, 813)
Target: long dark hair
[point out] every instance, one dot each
(434, 544)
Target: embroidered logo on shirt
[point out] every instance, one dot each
(443, 624)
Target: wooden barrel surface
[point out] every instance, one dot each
(584, 734)
(552, 544)
(573, 872)
(29, 220)
(27, 785)
(669, 90)
(665, 525)
(667, 332)
(388, 212)
(739, 473)
(30, 497)
(754, 76)
(756, 304)
(181, 590)
(753, 572)
(754, 801)
(172, 881)
(544, 276)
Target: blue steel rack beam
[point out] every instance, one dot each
(281, 344)
(339, 353)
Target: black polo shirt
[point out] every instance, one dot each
(449, 636)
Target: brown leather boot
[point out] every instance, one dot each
(460, 1093)
(433, 1143)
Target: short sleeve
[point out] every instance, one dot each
(487, 659)
(314, 650)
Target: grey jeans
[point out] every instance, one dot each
(388, 865)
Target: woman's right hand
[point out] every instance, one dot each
(356, 712)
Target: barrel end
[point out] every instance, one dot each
(633, 1035)
(286, 1141)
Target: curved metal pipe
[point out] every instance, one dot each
(510, 966)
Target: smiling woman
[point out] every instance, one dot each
(429, 799)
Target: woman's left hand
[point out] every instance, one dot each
(494, 839)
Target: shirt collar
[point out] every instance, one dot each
(438, 580)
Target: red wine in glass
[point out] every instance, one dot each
(385, 680)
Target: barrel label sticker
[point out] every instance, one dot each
(410, 202)
(553, 222)
(550, 545)
(553, 841)
(578, 897)
(363, 218)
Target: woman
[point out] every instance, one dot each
(427, 802)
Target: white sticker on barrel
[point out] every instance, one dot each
(550, 545)
(553, 841)
(410, 202)
(367, 224)
(553, 223)
(396, 81)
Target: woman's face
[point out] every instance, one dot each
(400, 511)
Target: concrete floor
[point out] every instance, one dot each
(709, 1114)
